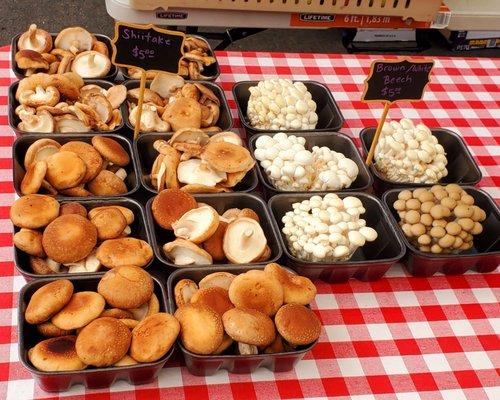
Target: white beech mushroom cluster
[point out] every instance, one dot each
(326, 229)
(290, 166)
(409, 153)
(281, 104)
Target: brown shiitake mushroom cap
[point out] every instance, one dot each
(65, 169)
(249, 326)
(48, 300)
(227, 157)
(183, 113)
(257, 290)
(201, 328)
(111, 150)
(29, 241)
(44, 266)
(215, 298)
(34, 211)
(88, 154)
(126, 287)
(48, 329)
(127, 213)
(153, 337)
(103, 342)
(40, 150)
(114, 253)
(197, 225)
(106, 183)
(30, 59)
(296, 289)
(125, 362)
(184, 291)
(169, 205)
(217, 279)
(109, 223)
(297, 324)
(73, 208)
(69, 238)
(82, 308)
(213, 245)
(117, 313)
(56, 354)
(244, 241)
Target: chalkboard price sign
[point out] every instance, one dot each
(391, 81)
(147, 47)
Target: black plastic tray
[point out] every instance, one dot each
(91, 378)
(221, 202)
(329, 116)
(333, 140)
(14, 119)
(111, 76)
(212, 72)
(225, 120)
(146, 154)
(484, 256)
(462, 168)
(368, 263)
(138, 227)
(22, 143)
(237, 364)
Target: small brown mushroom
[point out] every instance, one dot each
(30, 59)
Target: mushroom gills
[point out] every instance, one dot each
(247, 349)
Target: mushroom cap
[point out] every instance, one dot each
(297, 324)
(227, 157)
(111, 150)
(184, 291)
(125, 362)
(73, 208)
(56, 354)
(201, 328)
(166, 84)
(82, 308)
(48, 300)
(213, 244)
(100, 104)
(183, 113)
(249, 326)
(183, 252)
(106, 183)
(189, 135)
(197, 225)
(76, 37)
(35, 39)
(114, 253)
(164, 170)
(103, 342)
(217, 279)
(126, 212)
(34, 211)
(30, 59)
(68, 123)
(215, 298)
(40, 150)
(296, 289)
(91, 64)
(69, 238)
(116, 95)
(195, 171)
(149, 96)
(244, 241)
(41, 122)
(126, 287)
(33, 179)
(29, 241)
(48, 329)
(199, 188)
(169, 205)
(257, 290)
(65, 170)
(48, 96)
(89, 155)
(153, 337)
(109, 223)
(227, 136)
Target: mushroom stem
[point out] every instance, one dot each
(30, 71)
(92, 60)
(32, 34)
(247, 349)
(247, 233)
(74, 46)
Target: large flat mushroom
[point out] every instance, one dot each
(35, 39)
(197, 225)
(195, 171)
(74, 39)
(244, 241)
(91, 64)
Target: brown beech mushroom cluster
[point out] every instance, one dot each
(117, 324)
(68, 237)
(196, 58)
(62, 103)
(439, 220)
(170, 104)
(259, 311)
(74, 49)
(75, 169)
(203, 236)
(195, 162)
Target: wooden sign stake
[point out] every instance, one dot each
(142, 88)
(371, 153)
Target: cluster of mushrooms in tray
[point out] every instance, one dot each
(170, 104)
(196, 58)
(63, 103)
(74, 49)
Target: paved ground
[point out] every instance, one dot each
(15, 16)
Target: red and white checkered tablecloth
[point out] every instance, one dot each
(401, 337)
